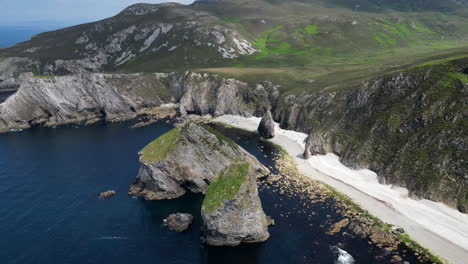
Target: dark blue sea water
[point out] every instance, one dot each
(50, 211)
(13, 33)
(10, 35)
(4, 96)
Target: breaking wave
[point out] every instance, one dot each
(343, 257)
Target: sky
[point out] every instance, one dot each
(61, 12)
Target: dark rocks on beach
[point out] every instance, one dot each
(462, 208)
(179, 222)
(266, 129)
(398, 230)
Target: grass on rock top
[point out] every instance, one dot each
(225, 186)
(159, 148)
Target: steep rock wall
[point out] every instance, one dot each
(409, 127)
(86, 98)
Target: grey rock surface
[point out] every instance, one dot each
(266, 129)
(237, 220)
(179, 222)
(91, 97)
(77, 99)
(192, 162)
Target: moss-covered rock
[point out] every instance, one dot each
(187, 159)
(232, 211)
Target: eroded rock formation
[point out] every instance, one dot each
(232, 211)
(266, 129)
(179, 222)
(187, 159)
(87, 98)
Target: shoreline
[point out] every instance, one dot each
(433, 225)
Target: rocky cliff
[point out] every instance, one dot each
(86, 98)
(80, 99)
(187, 159)
(232, 212)
(409, 127)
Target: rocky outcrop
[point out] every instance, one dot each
(87, 98)
(107, 194)
(232, 211)
(266, 129)
(10, 70)
(178, 222)
(79, 99)
(209, 94)
(321, 144)
(187, 159)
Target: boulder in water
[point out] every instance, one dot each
(107, 194)
(179, 222)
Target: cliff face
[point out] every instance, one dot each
(80, 99)
(232, 212)
(86, 98)
(187, 159)
(408, 127)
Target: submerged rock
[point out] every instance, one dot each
(179, 222)
(232, 211)
(187, 159)
(266, 129)
(107, 194)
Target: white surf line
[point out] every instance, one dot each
(441, 229)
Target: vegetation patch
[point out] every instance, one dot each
(43, 76)
(160, 148)
(312, 29)
(225, 186)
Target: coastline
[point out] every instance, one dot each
(433, 225)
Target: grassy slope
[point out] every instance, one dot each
(159, 148)
(309, 46)
(290, 33)
(225, 186)
(307, 33)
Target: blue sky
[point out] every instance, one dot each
(64, 11)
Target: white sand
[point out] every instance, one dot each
(441, 229)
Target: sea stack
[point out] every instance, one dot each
(232, 211)
(187, 158)
(266, 129)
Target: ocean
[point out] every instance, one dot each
(50, 211)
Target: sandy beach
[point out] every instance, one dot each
(441, 229)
